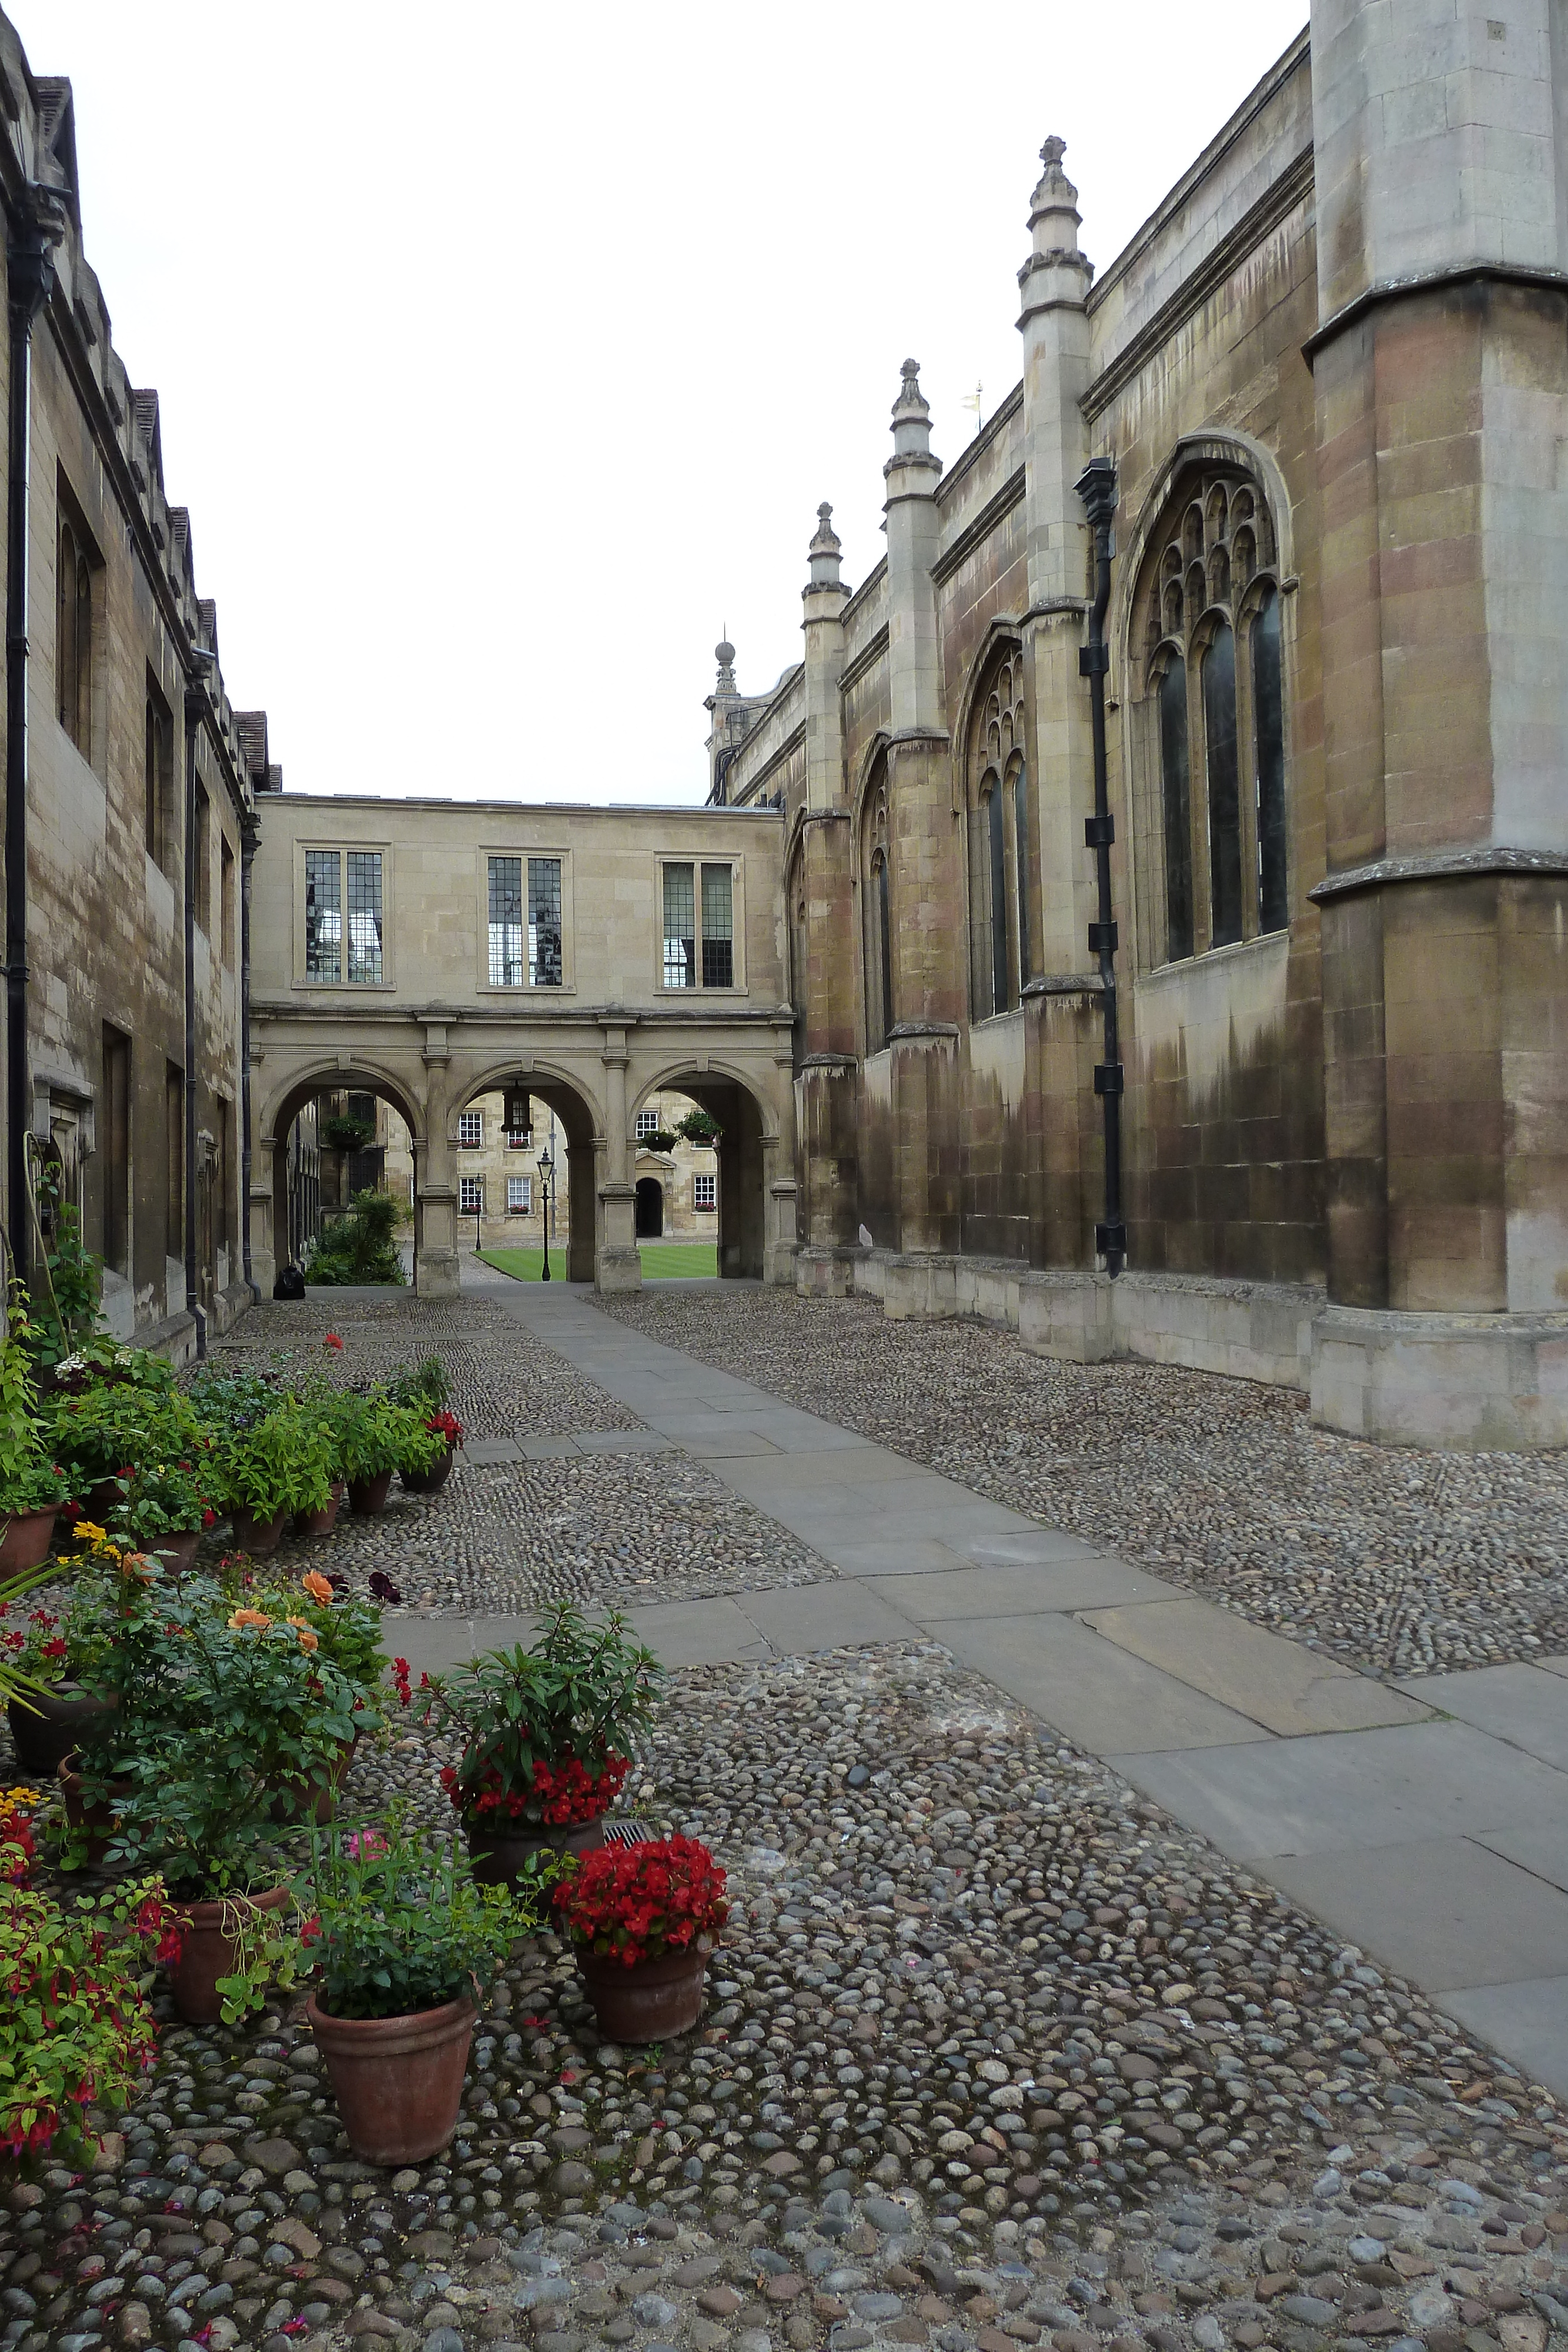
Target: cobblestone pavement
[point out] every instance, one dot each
(1400, 1562)
(993, 2054)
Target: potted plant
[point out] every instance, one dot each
(220, 1708)
(429, 1391)
(164, 1507)
(376, 1437)
(402, 1939)
(642, 1920)
(99, 1434)
(74, 2025)
(449, 1429)
(59, 1658)
(280, 1464)
(32, 1484)
(546, 1732)
(347, 1632)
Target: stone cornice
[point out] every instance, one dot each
(975, 534)
(1439, 866)
(1278, 201)
(873, 650)
(1064, 983)
(1428, 281)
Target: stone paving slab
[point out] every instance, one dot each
(546, 1449)
(1017, 1587)
(1519, 1704)
(722, 1445)
(1087, 1688)
(1528, 2020)
(1446, 1911)
(622, 1441)
(1287, 1688)
(1538, 1846)
(699, 1633)
(859, 1465)
(484, 1453)
(1337, 1791)
(835, 1616)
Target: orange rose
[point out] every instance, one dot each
(317, 1586)
(243, 1617)
(306, 1633)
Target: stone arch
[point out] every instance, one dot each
(356, 1072)
(577, 1108)
(755, 1239)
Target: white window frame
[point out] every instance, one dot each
(471, 1141)
(470, 1196)
(648, 1123)
(518, 1138)
(519, 1196)
(701, 1184)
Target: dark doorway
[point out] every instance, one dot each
(650, 1208)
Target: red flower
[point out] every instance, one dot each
(311, 1931)
(633, 1903)
(209, 1519)
(331, 1340)
(561, 1794)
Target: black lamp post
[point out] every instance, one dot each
(1096, 486)
(547, 1171)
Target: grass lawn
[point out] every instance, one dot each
(662, 1261)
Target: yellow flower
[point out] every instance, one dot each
(306, 1633)
(317, 1586)
(243, 1617)
(86, 1532)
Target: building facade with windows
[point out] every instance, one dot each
(1331, 375)
(131, 794)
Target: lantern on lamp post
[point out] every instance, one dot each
(546, 1172)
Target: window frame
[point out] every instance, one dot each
(524, 1206)
(473, 1185)
(474, 1120)
(343, 849)
(1004, 926)
(702, 1178)
(550, 991)
(1210, 566)
(700, 863)
(88, 680)
(646, 1123)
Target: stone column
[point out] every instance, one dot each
(930, 974)
(617, 1266)
(830, 1069)
(1440, 366)
(1062, 996)
(435, 1265)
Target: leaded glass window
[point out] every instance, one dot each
(1001, 871)
(323, 914)
(718, 927)
(364, 915)
(505, 922)
(680, 927)
(544, 923)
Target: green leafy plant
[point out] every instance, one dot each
(69, 1644)
(661, 1139)
(699, 1127)
(283, 1462)
(360, 1248)
(74, 2025)
(395, 1923)
(426, 1386)
(72, 1280)
(100, 1358)
(547, 1730)
(106, 1429)
(164, 1498)
(18, 1682)
(231, 1400)
(372, 1434)
(342, 1132)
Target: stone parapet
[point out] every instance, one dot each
(1464, 1383)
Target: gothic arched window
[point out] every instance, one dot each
(73, 637)
(1208, 732)
(1000, 864)
(876, 908)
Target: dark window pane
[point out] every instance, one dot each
(1177, 811)
(718, 927)
(680, 927)
(323, 914)
(1021, 830)
(1224, 795)
(544, 922)
(884, 946)
(365, 915)
(1268, 704)
(505, 922)
(998, 909)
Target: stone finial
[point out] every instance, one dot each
(910, 397)
(1053, 221)
(724, 654)
(825, 552)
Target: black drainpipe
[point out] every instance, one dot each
(249, 829)
(30, 278)
(194, 713)
(1096, 487)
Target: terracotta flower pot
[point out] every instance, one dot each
(398, 2081)
(321, 1522)
(368, 1496)
(498, 1851)
(648, 2001)
(97, 1818)
(47, 1730)
(207, 1953)
(178, 1552)
(425, 1482)
(259, 1536)
(26, 1540)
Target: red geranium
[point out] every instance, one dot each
(634, 1903)
(450, 1427)
(559, 1795)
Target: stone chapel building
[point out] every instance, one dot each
(1331, 372)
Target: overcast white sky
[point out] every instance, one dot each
(504, 351)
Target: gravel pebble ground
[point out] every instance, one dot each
(994, 2055)
(1400, 1562)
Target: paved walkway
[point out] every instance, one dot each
(1427, 1824)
